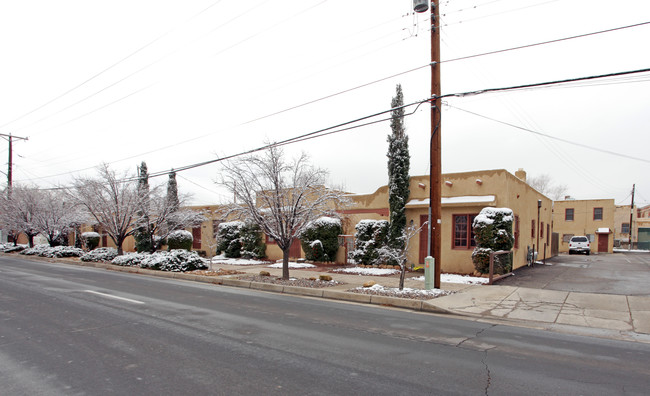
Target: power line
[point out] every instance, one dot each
(552, 137)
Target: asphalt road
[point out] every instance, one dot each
(67, 330)
(619, 273)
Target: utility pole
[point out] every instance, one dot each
(435, 171)
(10, 164)
(631, 216)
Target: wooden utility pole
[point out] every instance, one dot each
(10, 164)
(435, 171)
(631, 216)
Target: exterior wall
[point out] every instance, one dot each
(622, 215)
(583, 222)
(494, 188)
(641, 227)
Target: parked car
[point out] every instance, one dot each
(579, 244)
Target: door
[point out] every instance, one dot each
(294, 250)
(424, 237)
(603, 243)
(196, 238)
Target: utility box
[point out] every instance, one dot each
(429, 267)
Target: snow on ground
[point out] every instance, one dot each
(406, 292)
(621, 250)
(236, 261)
(367, 271)
(454, 278)
(293, 265)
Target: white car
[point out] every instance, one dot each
(579, 244)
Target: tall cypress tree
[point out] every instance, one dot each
(173, 202)
(143, 237)
(398, 172)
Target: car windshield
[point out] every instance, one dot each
(579, 239)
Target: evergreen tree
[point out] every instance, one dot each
(142, 236)
(173, 203)
(398, 172)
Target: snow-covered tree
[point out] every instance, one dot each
(398, 172)
(172, 192)
(400, 255)
(111, 201)
(369, 237)
(57, 217)
(19, 211)
(544, 184)
(143, 235)
(320, 239)
(281, 196)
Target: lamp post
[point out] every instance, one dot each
(435, 209)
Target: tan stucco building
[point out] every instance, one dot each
(463, 197)
(593, 218)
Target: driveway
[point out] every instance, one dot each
(618, 273)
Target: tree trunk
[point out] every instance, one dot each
(285, 263)
(402, 274)
(30, 240)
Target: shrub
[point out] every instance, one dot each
(10, 248)
(493, 232)
(53, 252)
(90, 240)
(129, 259)
(252, 241)
(177, 260)
(370, 237)
(100, 254)
(180, 239)
(320, 239)
(229, 239)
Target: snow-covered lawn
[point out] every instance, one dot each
(367, 271)
(293, 265)
(236, 261)
(454, 278)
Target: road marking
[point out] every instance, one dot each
(115, 297)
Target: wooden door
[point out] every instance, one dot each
(603, 243)
(294, 250)
(424, 238)
(196, 238)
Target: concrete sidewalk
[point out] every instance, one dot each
(623, 314)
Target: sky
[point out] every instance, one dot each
(177, 83)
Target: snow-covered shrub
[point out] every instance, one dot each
(129, 259)
(10, 248)
(180, 239)
(45, 250)
(370, 237)
(100, 254)
(493, 232)
(252, 241)
(320, 239)
(90, 240)
(229, 239)
(178, 260)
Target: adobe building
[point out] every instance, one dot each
(593, 218)
(463, 197)
(622, 215)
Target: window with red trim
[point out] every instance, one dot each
(463, 237)
(598, 214)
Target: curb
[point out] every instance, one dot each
(386, 301)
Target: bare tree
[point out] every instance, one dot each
(57, 216)
(544, 184)
(19, 211)
(281, 196)
(400, 254)
(111, 202)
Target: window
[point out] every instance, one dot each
(625, 228)
(568, 214)
(541, 229)
(516, 232)
(566, 237)
(548, 232)
(463, 232)
(598, 213)
(196, 235)
(532, 228)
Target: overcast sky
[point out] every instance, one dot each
(174, 83)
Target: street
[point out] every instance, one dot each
(68, 330)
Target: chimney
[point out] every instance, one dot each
(521, 174)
